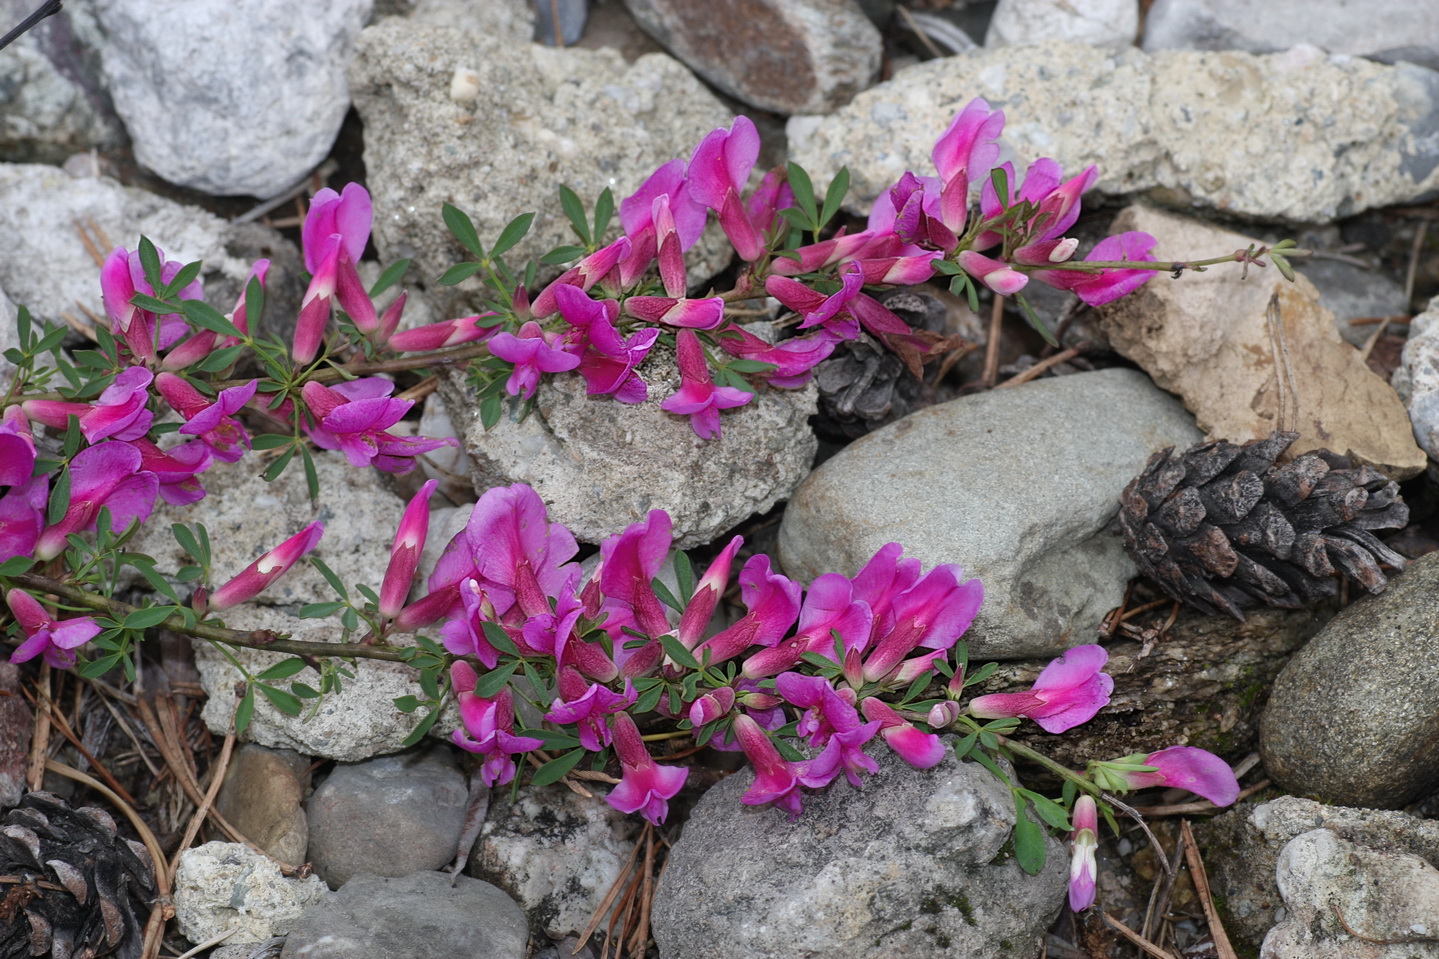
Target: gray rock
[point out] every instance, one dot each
(448, 464)
(1351, 292)
(41, 206)
(544, 117)
(391, 816)
(1417, 378)
(786, 56)
(912, 865)
(571, 14)
(17, 721)
(1407, 30)
(418, 915)
(1109, 25)
(52, 101)
(1393, 897)
(230, 98)
(556, 852)
(225, 885)
(1194, 129)
(263, 797)
(1017, 486)
(1243, 849)
(601, 465)
(1354, 718)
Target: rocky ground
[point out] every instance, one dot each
(1213, 126)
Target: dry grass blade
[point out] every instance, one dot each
(40, 738)
(1043, 366)
(57, 718)
(608, 901)
(1201, 888)
(1134, 937)
(991, 348)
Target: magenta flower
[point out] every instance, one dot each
(718, 170)
(355, 417)
(916, 747)
(829, 608)
(629, 563)
(257, 577)
(882, 579)
(1084, 841)
(463, 633)
(319, 297)
(694, 314)
(489, 727)
(776, 780)
(709, 589)
(582, 275)
(1185, 767)
(820, 309)
(773, 605)
(698, 397)
(17, 448)
(772, 195)
(437, 336)
(713, 705)
(349, 214)
(830, 721)
(794, 359)
(405, 551)
(1106, 286)
(533, 351)
(22, 517)
(637, 218)
(178, 469)
(1068, 693)
(646, 786)
(933, 613)
(143, 333)
(118, 413)
(609, 361)
(964, 155)
(211, 420)
(56, 641)
(585, 705)
(107, 475)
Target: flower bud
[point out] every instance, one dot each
(944, 714)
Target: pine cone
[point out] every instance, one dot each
(70, 885)
(1220, 526)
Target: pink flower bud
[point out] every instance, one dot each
(256, 577)
(405, 552)
(711, 706)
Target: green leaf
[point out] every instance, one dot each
(305, 691)
(419, 731)
(1049, 810)
(492, 682)
(987, 761)
(987, 740)
(148, 616)
(665, 596)
(965, 746)
(51, 340)
(1000, 180)
(254, 302)
(649, 700)
(803, 188)
(555, 769)
(284, 669)
(751, 366)
(513, 232)
(183, 278)
(406, 704)
(604, 211)
(390, 277)
(273, 471)
(463, 228)
(281, 700)
(24, 328)
(575, 213)
(350, 620)
(459, 273)
(99, 667)
(562, 254)
(330, 577)
(186, 539)
(150, 263)
(245, 711)
(146, 566)
(677, 651)
(271, 441)
(491, 410)
(16, 565)
(684, 573)
(59, 499)
(147, 302)
(221, 359)
(834, 196)
(796, 218)
(1033, 319)
(1028, 840)
(312, 479)
(980, 675)
(498, 638)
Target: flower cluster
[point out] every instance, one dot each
(602, 317)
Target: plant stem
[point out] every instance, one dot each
(252, 639)
(1040, 759)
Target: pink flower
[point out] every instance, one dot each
(694, 314)
(998, 275)
(120, 411)
(1185, 767)
(437, 336)
(708, 590)
(178, 469)
(489, 727)
(629, 563)
(121, 277)
(211, 420)
(964, 155)
(355, 417)
(1106, 286)
(17, 448)
(318, 299)
(107, 475)
(257, 577)
(1068, 693)
(831, 722)
(582, 275)
(637, 216)
(349, 214)
(532, 351)
(794, 359)
(608, 361)
(405, 551)
(585, 705)
(698, 397)
(1084, 841)
(22, 517)
(934, 612)
(718, 170)
(829, 608)
(776, 780)
(646, 786)
(56, 641)
(712, 706)
(920, 749)
(773, 604)
(829, 310)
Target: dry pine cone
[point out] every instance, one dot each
(70, 886)
(1221, 527)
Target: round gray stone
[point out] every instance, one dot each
(1354, 718)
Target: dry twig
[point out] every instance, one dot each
(1201, 888)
